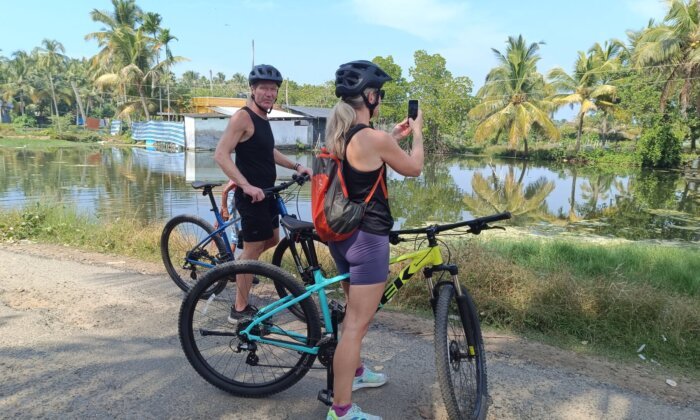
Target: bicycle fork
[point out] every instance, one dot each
(461, 300)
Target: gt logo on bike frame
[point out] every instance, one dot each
(419, 259)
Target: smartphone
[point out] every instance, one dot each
(413, 108)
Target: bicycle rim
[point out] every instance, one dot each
(461, 367)
(181, 255)
(220, 356)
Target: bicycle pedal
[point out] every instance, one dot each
(326, 396)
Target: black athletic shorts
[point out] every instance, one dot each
(258, 220)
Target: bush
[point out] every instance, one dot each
(24, 121)
(658, 147)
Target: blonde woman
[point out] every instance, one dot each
(365, 255)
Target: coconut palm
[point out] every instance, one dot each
(164, 39)
(673, 47)
(52, 60)
(18, 85)
(514, 97)
(584, 87)
(133, 68)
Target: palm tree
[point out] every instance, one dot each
(584, 86)
(18, 85)
(133, 69)
(77, 75)
(164, 39)
(151, 25)
(514, 97)
(674, 49)
(52, 60)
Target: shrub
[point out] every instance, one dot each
(24, 121)
(658, 147)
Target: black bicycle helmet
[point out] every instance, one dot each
(351, 79)
(264, 72)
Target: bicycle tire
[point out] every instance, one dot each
(461, 373)
(283, 257)
(180, 236)
(216, 355)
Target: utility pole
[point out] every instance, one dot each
(211, 84)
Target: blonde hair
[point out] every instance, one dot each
(342, 116)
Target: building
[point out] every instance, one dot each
(317, 118)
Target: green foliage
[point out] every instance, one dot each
(24, 121)
(658, 147)
(394, 105)
(445, 100)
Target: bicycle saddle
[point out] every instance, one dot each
(201, 184)
(294, 224)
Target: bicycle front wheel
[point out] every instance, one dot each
(459, 355)
(187, 249)
(228, 360)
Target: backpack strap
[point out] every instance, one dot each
(380, 180)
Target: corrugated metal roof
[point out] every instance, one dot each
(274, 115)
(311, 111)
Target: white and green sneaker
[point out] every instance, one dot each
(355, 413)
(368, 379)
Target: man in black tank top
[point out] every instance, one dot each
(249, 134)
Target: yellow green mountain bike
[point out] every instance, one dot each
(275, 348)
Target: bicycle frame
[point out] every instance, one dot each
(428, 257)
(223, 225)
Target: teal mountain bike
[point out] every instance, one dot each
(274, 349)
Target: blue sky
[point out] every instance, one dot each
(307, 40)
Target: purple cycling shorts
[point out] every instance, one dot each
(364, 255)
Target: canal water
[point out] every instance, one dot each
(546, 199)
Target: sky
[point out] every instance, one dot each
(308, 40)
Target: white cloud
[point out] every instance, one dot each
(423, 18)
(462, 34)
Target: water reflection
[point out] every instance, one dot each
(153, 186)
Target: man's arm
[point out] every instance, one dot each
(284, 161)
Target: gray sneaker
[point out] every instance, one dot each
(235, 316)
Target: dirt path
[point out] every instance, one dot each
(92, 335)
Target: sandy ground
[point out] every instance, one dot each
(92, 335)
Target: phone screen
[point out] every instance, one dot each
(413, 108)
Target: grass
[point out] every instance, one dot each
(612, 297)
(34, 143)
(64, 225)
(566, 293)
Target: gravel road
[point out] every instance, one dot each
(92, 335)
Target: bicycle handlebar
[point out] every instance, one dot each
(475, 227)
(296, 179)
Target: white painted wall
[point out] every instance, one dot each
(201, 133)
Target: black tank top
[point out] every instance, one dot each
(377, 219)
(255, 157)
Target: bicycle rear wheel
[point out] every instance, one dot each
(229, 361)
(182, 255)
(459, 355)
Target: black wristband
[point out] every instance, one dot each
(296, 166)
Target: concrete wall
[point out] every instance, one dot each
(204, 133)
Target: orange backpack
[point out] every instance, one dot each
(334, 215)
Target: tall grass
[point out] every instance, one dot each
(614, 299)
(64, 225)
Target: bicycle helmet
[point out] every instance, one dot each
(264, 72)
(351, 79)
